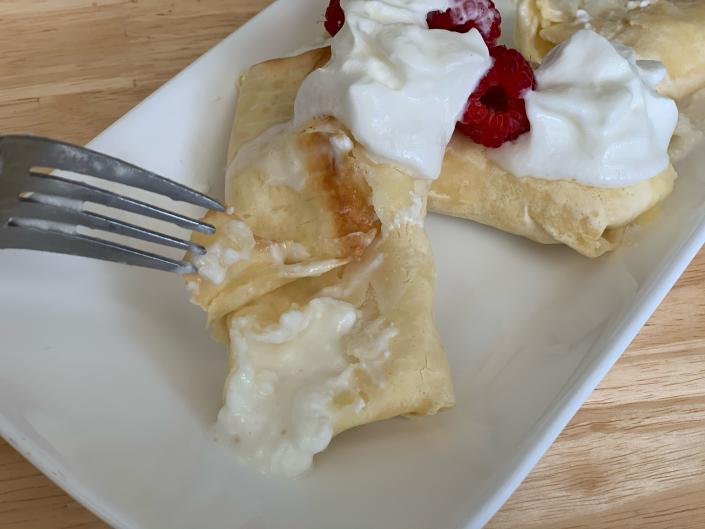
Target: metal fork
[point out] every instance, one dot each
(42, 212)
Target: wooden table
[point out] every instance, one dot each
(634, 456)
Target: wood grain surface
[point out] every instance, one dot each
(633, 457)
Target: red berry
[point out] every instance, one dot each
(463, 15)
(496, 112)
(335, 18)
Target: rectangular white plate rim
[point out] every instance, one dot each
(544, 432)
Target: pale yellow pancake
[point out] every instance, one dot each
(327, 223)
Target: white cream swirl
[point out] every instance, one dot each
(398, 86)
(595, 117)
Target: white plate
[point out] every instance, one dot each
(109, 382)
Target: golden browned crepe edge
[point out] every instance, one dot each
(591, 220)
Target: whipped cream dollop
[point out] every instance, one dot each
(398, 86)
(595, 117)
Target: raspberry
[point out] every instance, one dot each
(463, 15)
(335, 18)
(496, 112)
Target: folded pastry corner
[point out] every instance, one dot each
(268, 91)
(321, 282)
(669, 31)
(240, 267)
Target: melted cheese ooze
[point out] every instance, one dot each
(214, 263)
(278, 408)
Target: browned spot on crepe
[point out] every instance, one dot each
(347, 192)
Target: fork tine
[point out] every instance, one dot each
(62, 187)
(45, 208)
(43, 152)
(31, 237)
